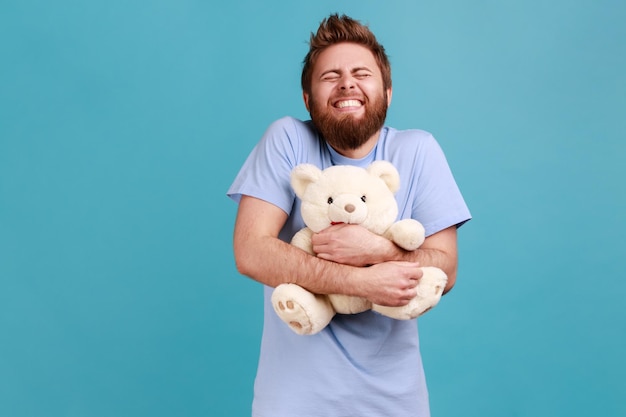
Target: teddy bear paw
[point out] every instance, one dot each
(304, 312)
(295, 316)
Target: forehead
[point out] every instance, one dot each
(345, 56)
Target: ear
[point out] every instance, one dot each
(389, 94)
(386, 172)
(305, 97)
(302, 176)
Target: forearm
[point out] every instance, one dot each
(260, 255)
(354, 245)
(273, 262)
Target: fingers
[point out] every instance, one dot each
(403, 298)
(409, 291)
(391, 283)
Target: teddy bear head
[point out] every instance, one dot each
(347, 194)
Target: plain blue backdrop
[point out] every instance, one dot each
(122, 124)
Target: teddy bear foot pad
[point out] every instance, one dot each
(305, 313)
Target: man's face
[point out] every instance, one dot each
(347, 102)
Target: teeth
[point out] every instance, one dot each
(348, 103)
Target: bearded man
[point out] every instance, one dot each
(362, 364)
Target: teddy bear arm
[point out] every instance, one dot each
(302, 240)
(409, 234)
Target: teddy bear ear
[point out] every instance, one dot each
(303, 175)
(387, 172)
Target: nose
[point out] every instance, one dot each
(347, 83)
(349, 208)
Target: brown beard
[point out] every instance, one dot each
(347, 132)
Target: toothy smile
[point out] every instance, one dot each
(348, 103)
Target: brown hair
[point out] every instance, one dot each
(337, 29)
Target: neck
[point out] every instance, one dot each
(362, 151)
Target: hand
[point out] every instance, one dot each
(391, 283)
(351, 244)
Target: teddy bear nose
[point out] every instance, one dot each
(349, 208)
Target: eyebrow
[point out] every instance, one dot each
(357, 69)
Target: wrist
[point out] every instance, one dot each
(353, 281)
(391, 252)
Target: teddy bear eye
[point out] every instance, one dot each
(330, 200)
(363, 199)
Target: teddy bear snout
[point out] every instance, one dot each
(347, 209)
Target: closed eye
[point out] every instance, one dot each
(362, 72)
(330, 75)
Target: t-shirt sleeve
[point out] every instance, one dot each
(266, 172)
(438, 200)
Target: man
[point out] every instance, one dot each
(363, 364)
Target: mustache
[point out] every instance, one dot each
(348, 94)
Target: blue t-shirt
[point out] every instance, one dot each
(362, 364)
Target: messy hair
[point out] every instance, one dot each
(338, 29)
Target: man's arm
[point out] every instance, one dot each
(355, 245)
(260, 255)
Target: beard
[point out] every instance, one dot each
(346, 132)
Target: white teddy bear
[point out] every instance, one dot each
(353, 195)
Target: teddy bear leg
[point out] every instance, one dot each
(305, 313)
(346, 304)
(429, 291)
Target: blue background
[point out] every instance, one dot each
(122, 124)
